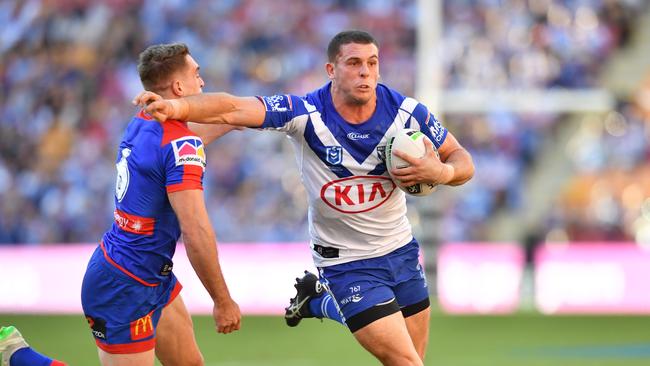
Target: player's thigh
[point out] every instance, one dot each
(418, 328)
(388, 340)
(175, 341)
(131, 359)
(412, 293)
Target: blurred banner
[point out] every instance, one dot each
(592, 278)
(472, 278)
(47, 279)
(480, 278)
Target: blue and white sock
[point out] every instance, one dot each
(325, 307)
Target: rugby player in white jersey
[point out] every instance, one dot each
(370, 278)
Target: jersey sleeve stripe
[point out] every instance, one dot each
(192, 179)
(185, 186)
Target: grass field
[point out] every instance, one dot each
(518, 340)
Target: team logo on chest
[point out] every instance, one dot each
(334, 154)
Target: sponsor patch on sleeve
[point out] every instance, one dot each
(277, 103)
(189, 150)
(438, 131)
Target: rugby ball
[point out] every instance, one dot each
(410, 142)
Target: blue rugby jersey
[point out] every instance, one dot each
(355, 210)
(153, 159)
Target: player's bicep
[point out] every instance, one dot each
(189, 207)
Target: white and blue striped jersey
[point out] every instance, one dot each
(355, 210)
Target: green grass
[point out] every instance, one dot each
(518, 340)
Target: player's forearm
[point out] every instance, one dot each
(202, 108)
(460, 161)
(219, 108)
(200, 245)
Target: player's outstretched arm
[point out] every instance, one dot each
(205, 108)
(200, 244)
(454, 167)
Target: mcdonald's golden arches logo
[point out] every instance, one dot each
(142, 328)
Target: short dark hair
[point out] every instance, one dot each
(345, 37)
(158, 62)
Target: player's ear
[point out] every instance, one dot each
(329, 68)
(177, 88)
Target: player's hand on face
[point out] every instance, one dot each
(227, 316)
(154, 105)
(427, 169)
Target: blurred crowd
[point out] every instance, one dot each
(519, 45)
(68, 74)
(609, 197)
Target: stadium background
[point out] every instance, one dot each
(552, 98)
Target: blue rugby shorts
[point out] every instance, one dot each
(369, 289)
(122, 311)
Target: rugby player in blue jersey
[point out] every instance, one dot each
(370, 278)
(130, 295)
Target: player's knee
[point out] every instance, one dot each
(421, 348)
(193, 359)
(396, 357)
(197, 360)
(392, 359)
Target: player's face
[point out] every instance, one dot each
(355, 72)
(191, 78)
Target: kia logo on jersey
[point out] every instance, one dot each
(357, 194)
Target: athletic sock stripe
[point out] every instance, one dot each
(323, 305)
(325, 283)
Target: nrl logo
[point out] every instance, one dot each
(334, 154)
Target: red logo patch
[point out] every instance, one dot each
(357, 194)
